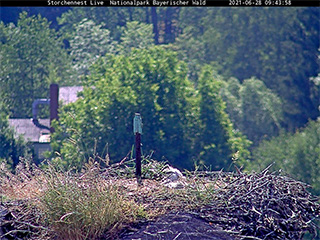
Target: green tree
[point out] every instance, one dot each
(30, 53)
(164, 20)
(261, 110)
(11, 14)
(89, 42)
(153, 82)
(218, 140)
(135, 35)
(248, 43)
(230, 93)
(192, 51)
(110, 18)
(150, 81)
(253, 108)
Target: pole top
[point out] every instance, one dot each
(137, 123)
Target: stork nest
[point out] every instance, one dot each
(240, 205)
(264, 206)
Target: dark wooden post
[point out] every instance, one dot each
(137, 130)
(54, 103)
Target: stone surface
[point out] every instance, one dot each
(177, 226)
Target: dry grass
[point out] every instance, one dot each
(96, 202)
(24, 184)
(72, 206)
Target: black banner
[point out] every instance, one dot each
(161, 3)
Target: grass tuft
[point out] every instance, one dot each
(85, 207)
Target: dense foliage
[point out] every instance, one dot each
(31, 59)
(89, 43)
(177, 124)
(220, 73)
(278, 46)
(11, 148)
(253, 108)
(216, 127)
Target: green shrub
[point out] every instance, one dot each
(181, 123)
(11, 148)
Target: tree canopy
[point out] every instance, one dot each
(278, 46)
(11, 148)
(31, 56)
(220, 77)
(176, 124)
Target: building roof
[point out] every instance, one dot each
(25, 127)
(69, 94)
(32, 133)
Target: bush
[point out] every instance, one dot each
(176, 123)
(11, 148)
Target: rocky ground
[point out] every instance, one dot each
(177, 226)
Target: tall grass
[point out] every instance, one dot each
(70, 205)
(85, 206)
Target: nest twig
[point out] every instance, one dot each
(264, 206)
(252, 206)
(19, 220)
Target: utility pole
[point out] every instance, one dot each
(137, 130)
